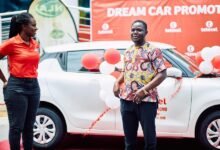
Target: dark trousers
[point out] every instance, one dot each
(144, 113)
(22, 100)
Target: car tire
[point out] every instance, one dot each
(48, 129)
(209, 131)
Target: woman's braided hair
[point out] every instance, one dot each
(17, 21)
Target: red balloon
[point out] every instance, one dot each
(90, 61)
(112, 56)
(116, 74)
(216, 62)
(198, 58)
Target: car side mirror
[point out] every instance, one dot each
(174, 72)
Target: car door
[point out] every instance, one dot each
(174, 105)
(77, 91)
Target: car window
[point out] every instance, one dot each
(121, 51)
(74, 60)
(167, 63)
(178, 60)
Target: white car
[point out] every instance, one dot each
(189, 107)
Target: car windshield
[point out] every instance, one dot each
(184, 60)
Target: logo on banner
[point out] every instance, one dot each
(173, 28)
(209, 27)
(190, 50)
(105, 29)
(50, 8)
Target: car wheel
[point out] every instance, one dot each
(209, 131)
(48, 129)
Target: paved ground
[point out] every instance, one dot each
(78, 142)
(116, 143)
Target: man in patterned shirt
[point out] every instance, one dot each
(144, 70)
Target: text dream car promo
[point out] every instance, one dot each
(164, 10)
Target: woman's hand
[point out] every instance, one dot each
(116, 89)
(5, 84)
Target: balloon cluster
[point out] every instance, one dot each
(106, 92)
(113, 59)
(208, 59)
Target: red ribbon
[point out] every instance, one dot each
(97, 119)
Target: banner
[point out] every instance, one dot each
(54, 21)
(189, 25)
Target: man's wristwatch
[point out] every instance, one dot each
(145, 91)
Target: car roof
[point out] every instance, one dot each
(99, 45)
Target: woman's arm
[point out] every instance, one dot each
(2, 76)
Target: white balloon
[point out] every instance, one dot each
(106, 68)
(206, 67)
(107, 83)
(207, 54)
(103, 94)
(216, 47)
(112, 102)
(215, 50)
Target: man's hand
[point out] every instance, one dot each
(139, 96)
(116, 89)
